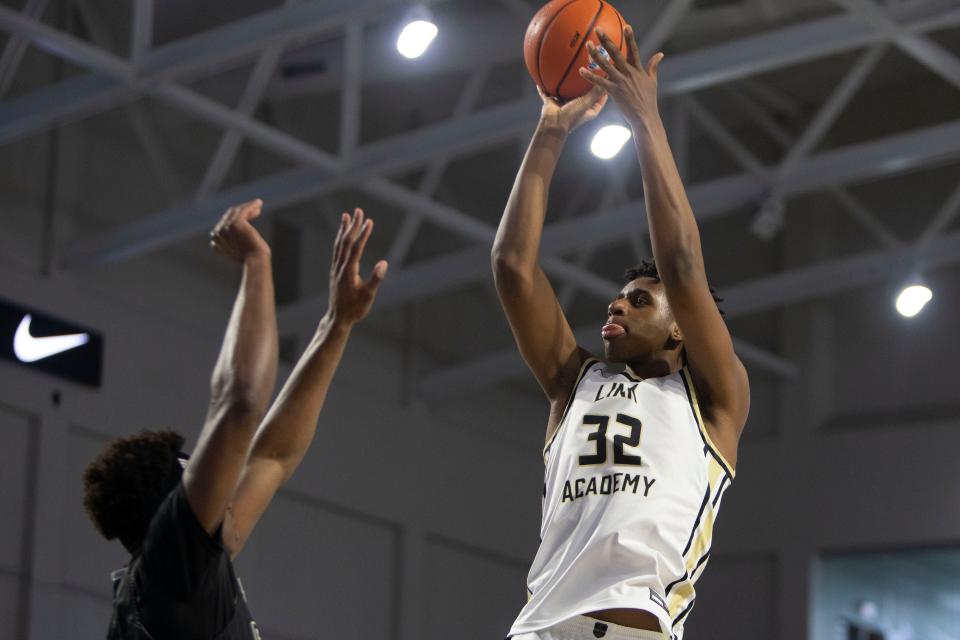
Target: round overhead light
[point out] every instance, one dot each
(609, 140)
(416, 37)
(912, 299)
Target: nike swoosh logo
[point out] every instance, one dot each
(28, 348)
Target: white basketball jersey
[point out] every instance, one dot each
(632, 487)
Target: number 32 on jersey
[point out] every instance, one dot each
(599, 439)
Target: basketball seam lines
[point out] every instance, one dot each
(620, 47)
(583, 43)
(543, 36)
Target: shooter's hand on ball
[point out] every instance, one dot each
(631, 85)
(566, 117)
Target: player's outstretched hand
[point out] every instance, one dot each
(632, 85)
(234, 236)
(572, 114)
(350, 296)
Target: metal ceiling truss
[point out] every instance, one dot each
(828, 278)
(711, 200)
(239, 41)
(141, 123)
(17, 46)
(115, 80)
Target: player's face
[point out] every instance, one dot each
(639, 322)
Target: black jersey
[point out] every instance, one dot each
(181, 586)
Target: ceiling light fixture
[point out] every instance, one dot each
(417, 34)
(912, 299)
(609, 140)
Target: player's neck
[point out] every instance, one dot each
(659, 365)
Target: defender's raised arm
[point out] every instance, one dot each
(245, 373)
(289, 427)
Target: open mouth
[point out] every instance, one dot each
(612, 330)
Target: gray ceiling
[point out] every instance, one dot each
(819, 140)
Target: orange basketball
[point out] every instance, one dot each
(555, 46)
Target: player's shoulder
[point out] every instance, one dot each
(572, 372)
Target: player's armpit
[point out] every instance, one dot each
(717, 372)
(540, 328)
(259, 482)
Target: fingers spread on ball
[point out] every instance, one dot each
(633, 52)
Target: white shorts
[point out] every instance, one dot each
(586, 628)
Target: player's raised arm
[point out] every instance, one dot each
(245, 373)
(716, 370)
(542, 333)
(286, 432)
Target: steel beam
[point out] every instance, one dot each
(350, 95)
(143, 126)
(294, 148)
(722, 136)
(232, 43)
(710, 200)
(944, 216)
(831, 109)
(230, 141)
(869, 221)
(151, 233)
(141, 33)
(16, 47)
(785, 140)
(204, 53)
(662, 28)
(404, 240)
(924, 50)
(817, 281)
(683, 72)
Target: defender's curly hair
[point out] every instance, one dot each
(648, 269)
(128, 481)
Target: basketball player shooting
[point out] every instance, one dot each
(640, 445)
(183, 522)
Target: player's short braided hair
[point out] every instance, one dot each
(648, 269)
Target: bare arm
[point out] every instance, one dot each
(716, 369)
(288, 429)
(245, 373)
(539, 326)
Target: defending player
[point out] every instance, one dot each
(641, 446)
(184, 522)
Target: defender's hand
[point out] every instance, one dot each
(631, 85)
(234, 236)
(350, 296)
(567, 117)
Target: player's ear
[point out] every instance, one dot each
(675, 333)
